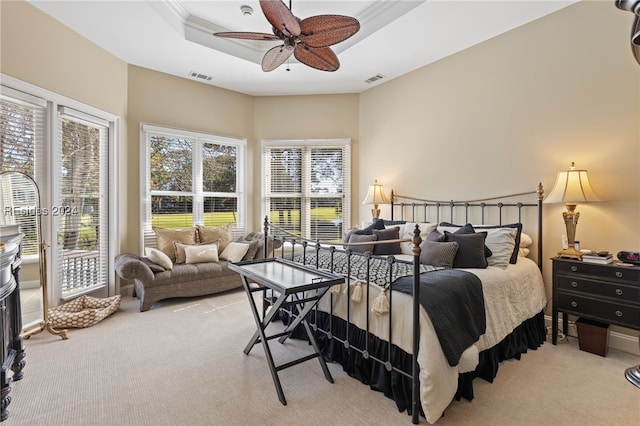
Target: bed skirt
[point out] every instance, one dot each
(528, 335)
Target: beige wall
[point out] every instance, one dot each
(496, 118)
(513, 111)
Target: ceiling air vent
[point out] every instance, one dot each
(374, 78)
(200, 76)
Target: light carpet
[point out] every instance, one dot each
(182, 363)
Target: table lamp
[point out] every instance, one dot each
(572, 187)
(375, 196)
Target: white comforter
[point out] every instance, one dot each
(511, 296)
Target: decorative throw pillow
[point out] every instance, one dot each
(435, 236)
(252, 250)
(166, 236)
(502, 242)
(470, 249)
(425, 229)
(438, 254)
(500, 230)
(181, 256)
(153, 265)
(385, 235)
(159, 257)
(222, 234)
(465, 229)
(356, 238)
(201, 253)
(377, 224)
(234, 251)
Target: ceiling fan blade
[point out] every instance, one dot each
(322, 58)
(276, 57)
(326, 30)
(279, 15)
(247, 35)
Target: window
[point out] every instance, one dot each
(191, 178)
(307, 186)
(68, 148)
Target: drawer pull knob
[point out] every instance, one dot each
(618, 313)
(574, 304)
(574, 284)
(574, 268)
(619, 291)
(619, 274)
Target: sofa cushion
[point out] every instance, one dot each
(222, 234)
(187, 272)
(166, 236)
(159, 257)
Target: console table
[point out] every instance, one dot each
(292, 285)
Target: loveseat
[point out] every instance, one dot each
(187, 263)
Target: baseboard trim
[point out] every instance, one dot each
(617, 340)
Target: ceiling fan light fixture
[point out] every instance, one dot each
(246, 10)
(308, 39)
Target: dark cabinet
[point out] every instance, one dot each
(12, 352)
(608, 293)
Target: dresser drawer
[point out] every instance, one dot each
(609, 312)
(621, 273)
(613, 290)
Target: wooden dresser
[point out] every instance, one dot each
(608, 293)
(12, 353)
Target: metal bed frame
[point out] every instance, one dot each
(414, 210)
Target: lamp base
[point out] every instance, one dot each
(570, 253)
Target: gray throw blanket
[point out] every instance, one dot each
(454, 301)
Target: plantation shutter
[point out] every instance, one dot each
(22, 132)
(307, 186)
(80, 207)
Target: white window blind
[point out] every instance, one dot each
(81, 203)
(307, 186)
(21, 141)
(191, 178)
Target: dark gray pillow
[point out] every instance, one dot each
(384, 235)
(377, 224)
(438, 254)
(467, 229)
(357, 238)
(435, 236)
(470, 249)
(253, 248)
(152, 265)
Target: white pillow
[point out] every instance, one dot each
(201, 253)
(501, 242)
(409, 227)
(525, 240)
(234, 252)
(159, 257)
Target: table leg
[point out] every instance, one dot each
(316, 347)
(263, 338)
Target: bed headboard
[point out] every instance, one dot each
(524, 207)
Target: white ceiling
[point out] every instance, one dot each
(396, 37)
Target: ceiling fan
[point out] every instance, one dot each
(633, 6)
(307, 39)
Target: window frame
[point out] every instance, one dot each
(147, 237)
(306, 200)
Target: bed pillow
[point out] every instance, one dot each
(377, 224)
(464, 229)
(471, 251)
(517, 238)
(385, 235)
(166, 236)
(222, 234)
(201, 253)
(407, 232)
(234, 251)
(438, 254)
(356, 238)
(435, 236)
(159, 257)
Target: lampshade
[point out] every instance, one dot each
(572, 187)
(375, 195)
